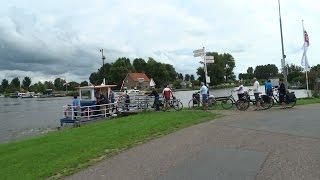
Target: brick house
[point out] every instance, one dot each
(137, 81)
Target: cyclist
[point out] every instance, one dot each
(269, 88)
(204, 94)
(167, 94)
(240, 90)
(256, 93)
(282, 93)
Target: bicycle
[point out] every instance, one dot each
(290, 99)
(174, 103)
(266, 102)
(195, 102)
(229, 101)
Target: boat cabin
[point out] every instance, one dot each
(89, 94)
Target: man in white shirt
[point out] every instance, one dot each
(256, 93)
(204, 94)
(240, 90)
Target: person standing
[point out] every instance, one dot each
(282, 93)
(76, 104)
(256, 93)
(156, 101)
(240, 90)
(204, 94)
(269, 88)
(167, 94)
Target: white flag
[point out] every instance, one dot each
(304, 59)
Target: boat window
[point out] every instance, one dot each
(86, 95)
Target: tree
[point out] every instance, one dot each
(95, 78)
(220, 71)
(48, 85)
(119, 70)
(84, 83)
(266, 71)
(73, 85)
(38, 88)
(200, 72)
(58, 84)
(187, 77)
(180, 76)
(4, 85)
(295, 74)
(250, 70)
(139, 65)
(15, 84)
(314, 74)
(192, 78)
(26, 83)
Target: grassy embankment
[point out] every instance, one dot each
(306, 101)
(67, 151)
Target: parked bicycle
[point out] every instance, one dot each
(265, 101)
(290, 99)
(229, 101)
(196, 101)
(174, 103)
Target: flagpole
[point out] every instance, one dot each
(283, 60)
(305, 56)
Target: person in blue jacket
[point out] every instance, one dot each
(269, 88)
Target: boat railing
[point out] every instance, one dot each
(88, 112)
(135, 102)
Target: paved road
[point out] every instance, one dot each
(275, 144)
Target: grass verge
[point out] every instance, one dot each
(306, 101)
(67, 151)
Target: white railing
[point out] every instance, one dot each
(89, 112)
(104, 110)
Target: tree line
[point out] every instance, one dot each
(295, 74)
(162, 73)
(57, 85)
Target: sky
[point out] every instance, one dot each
(49, 39)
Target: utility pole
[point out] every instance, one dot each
(283, 60)
(102, 57)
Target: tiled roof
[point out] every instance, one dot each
(137, 76)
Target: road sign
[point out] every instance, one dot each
(209, 58)
(209, 61)
(198, 52)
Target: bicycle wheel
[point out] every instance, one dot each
(177, 105)
(242, 105)
(211, 102)
(193, 104)
(267, 104)
(227, 104)
(292, 103)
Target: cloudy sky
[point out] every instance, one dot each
(45, 39)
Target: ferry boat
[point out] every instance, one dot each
(91, 106)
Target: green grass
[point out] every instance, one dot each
(67, 151)
(306, 101)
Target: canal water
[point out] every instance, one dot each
(25, 117)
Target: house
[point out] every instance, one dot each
(137, 81)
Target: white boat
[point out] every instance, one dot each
(26, 95)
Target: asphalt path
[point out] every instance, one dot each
(272, 144)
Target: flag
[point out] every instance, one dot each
(304, 59)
